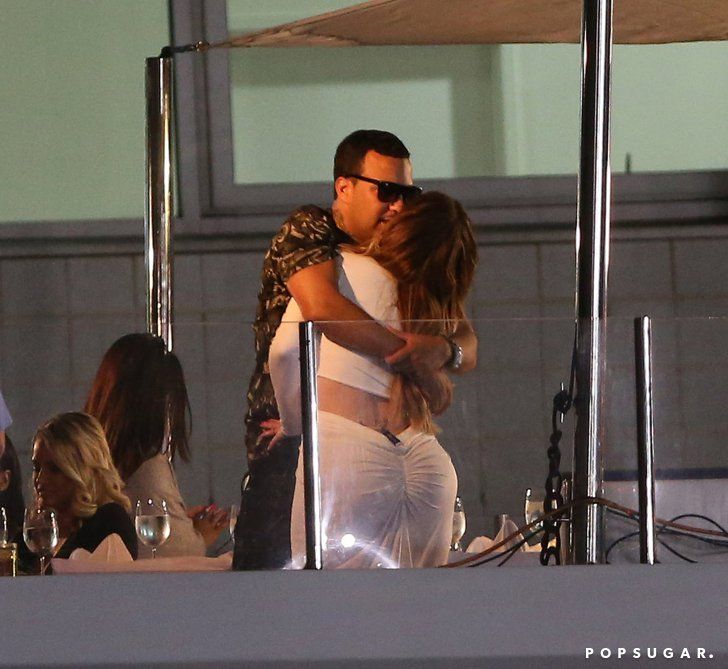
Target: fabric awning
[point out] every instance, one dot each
(423, 22)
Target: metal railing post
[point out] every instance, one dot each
(158, 210)
(592, 249)
(311, 473)
(645, 437)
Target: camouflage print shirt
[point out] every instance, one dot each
(308, 237)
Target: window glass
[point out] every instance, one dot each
(467, 111)
(72, 113)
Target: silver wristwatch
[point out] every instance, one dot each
(455, 361)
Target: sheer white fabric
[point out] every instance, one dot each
(384, 505)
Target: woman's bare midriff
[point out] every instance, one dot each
(359, 406)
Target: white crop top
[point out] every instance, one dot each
(365, 283)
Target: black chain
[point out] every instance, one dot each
(551, 538)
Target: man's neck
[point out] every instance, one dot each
(339, 218)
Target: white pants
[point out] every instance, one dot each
(383, 504)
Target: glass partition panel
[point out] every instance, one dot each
(385, 476)
(690, 378)
(391, 470)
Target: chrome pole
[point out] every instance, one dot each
(592, 250)
(158, 211)
(645, 437)
(311, 472)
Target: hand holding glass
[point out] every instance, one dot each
(152, 523)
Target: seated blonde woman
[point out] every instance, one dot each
(73, 474)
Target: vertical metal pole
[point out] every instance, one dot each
(592, 249)
(158, 211)
(645, 437)
(311, 472)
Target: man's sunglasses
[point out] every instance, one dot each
(389, 191)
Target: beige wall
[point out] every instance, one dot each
(71, 79)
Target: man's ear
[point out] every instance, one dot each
(343, 186)
(4, 479)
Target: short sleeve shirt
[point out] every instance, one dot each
(308, 237)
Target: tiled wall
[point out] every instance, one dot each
(59, 314)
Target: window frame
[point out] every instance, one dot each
(208, 190)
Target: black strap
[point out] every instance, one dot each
(391, 437)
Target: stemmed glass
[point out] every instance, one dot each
(458, 525)
(533, 508)
(3, 526)
(40, 531)
(152, 523)
(232, 520)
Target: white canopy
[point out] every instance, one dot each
(422, 22)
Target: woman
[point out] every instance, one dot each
(140, 398)
(388, 487)
(73, 474)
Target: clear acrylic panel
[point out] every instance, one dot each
(489, 450)
(389, 487)
(690, 379)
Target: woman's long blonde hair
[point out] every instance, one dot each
(430, 250)
(78, 446)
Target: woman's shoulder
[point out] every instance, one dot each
(369, 285)
(153, 472)
(110, 518)
(151, 466)
(360, 263)
(154, 478)
(112, 512)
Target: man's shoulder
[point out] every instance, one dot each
(312, 210)
(310, 216)
(306, 226)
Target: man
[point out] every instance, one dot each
(372, 179)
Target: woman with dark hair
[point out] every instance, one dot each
(140, 398)
(11, 489)
(387, 486)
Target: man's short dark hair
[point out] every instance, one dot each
(352, 149)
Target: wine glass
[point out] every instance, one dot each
(8, 551)
(533, 508)
(233, 519)
(3, 526)
(458, 525)
(40, 531)
(152, 523)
